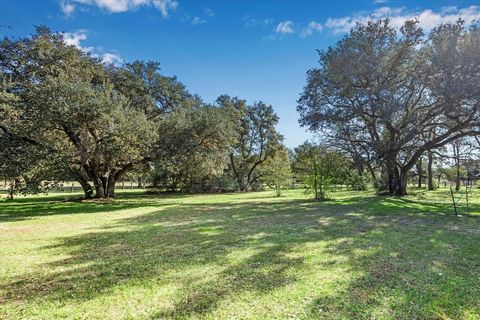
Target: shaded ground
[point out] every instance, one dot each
(240, 256)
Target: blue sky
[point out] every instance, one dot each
(257, 50)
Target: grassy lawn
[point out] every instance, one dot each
(237, 256)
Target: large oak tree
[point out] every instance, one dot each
(256, 138)
(391, 88)
(98, 121)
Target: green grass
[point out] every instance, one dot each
(238, 256)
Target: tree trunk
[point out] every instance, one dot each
(359, 166)
(105, 186)
(315, 176)
(99, 189)
(430, 171)
(277, 186)
(420, 173)
(372, 173)
(456, 152)
(242, 185)
(321, 186)
(156, 181)
(392, 175)
(401, 187)
(104, 182)
(457, 179)
(11, 191)
(111, 188)
(86, 186)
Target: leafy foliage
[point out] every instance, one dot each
(276, 171)
(256, 139)
(97, 121)
(193, 148)
(319, 168)
(67, 115)
(400, 95)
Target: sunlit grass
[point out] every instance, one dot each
(236, 256)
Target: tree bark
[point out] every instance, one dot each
(111, 188)
(430, 171)
(392, 175)
(11, 190)
(456, 152)
(420, 173)
(401, 189)
(457, 179)
(315, 175)
(104, 183)
(99, 189)
(87, 189)
(372, 173)
(277, 186)
(241, 185)
(86, 186)
(396, 177)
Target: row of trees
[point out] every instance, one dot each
(455, 162)
(388, 103)
(65, 115)
(387, 97)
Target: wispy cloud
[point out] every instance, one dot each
(200, 19)
(76, 38)
(197, 20)
(111, 58)
(67, 8)
(251, 21)
(117, 6)
(209, 12)
(312, 27)
(165, 6)
(284, 27)
(428, 18)
(380, 1)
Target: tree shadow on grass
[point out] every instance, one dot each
(11, 211)
(33, 207)
(159, 245)
(409, 272)
(212, 252)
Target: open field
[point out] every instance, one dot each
(237, 256)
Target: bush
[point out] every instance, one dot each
(358, 182)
